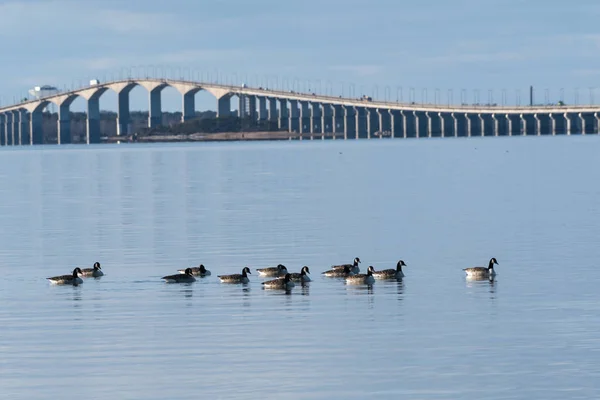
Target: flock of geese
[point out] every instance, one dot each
(282, 278)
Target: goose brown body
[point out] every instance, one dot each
(72, 279)
(236, 278)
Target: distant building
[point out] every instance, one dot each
(43, 91)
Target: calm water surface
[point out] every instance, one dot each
(144, 211)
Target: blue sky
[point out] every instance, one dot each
(378, 45)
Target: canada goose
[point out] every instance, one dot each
(197, 271)
(236, 278)
(353, 267)
(93, 272)
(280, 283)
(339, 273)
(360, 279)
(72, 279)
(300, 277)
(279, 270)
(391, 273)
(186, 277)
(482, 272)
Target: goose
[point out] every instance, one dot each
(300, 277)
(279, 270)
(198, 271)
(93, 272)
(339, 273)
(482, 272)
(236, 278)
(72, 279)
(353, 267)
(391, 273)
(360, 279)
(186, 277)
(280, 283)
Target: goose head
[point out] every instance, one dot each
(97, 266)
(400, 265)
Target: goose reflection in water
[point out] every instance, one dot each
(187, 292)
(490, 283)
(400, 289)
(359, 289)
(305, 289)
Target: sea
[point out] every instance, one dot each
(144, 211)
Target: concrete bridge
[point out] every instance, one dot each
(307, 114)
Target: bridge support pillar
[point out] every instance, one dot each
(442, 124)
(361, 118)
(481, 125)
(552, 124)
(338, 123)
(469, 125)
(262, 109)
(523, 123)
(295, 120)
(285, 122)
(372, 122)
(327, 119)
(455, 124)
(514, 124)
(405, 123)
(488, 124)
(273, 125)
(16, 129)
(582, 123)
(418, 118)
(394, 120)
(8, 129)
(93, 120)
(538, 125)
(224, 106)
(384, 122)
(36, 127)
(429, 124)
(2, 130)
(305, 118)
(597, 130)
(123, 113)
(315, 119)
(24, 135)
(252, 108)
(155, 108)
(242, 106)
(64, 124)
(496, 125)
(188, 106)
(349, 122)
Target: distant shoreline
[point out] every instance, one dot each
(213, 137)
